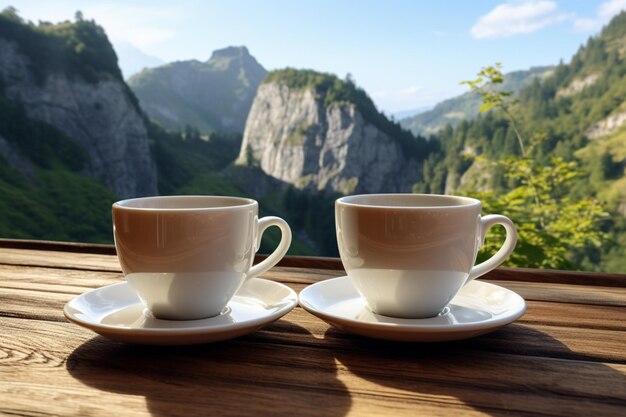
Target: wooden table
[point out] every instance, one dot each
(566, 356)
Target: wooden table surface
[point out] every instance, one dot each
(565, 356)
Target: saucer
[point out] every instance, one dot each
(116, 312)
(478, 308)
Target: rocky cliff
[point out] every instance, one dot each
(315, 135)
(215, 95)
(97, 112)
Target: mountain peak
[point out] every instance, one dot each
(215, 95)
(230, 52)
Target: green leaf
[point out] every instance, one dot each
(485, 107)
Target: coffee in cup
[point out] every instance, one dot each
(409, 254)
(186, 256)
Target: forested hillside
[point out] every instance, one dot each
(44, 192)
(48, 187)
(467, 106)
(74, 138)
(578, 113)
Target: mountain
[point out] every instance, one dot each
(132, 60)
(72, 137)
(66, 76)
(579, 107)
(73, 141)
(404, 114)
(467, 106)
(215, 95)
(318, 132)
(577, 113)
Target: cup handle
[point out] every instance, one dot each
(279, 252)
(507, 248)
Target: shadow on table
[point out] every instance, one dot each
(511, 371)
(253, 375)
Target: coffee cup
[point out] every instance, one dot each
(409, 254)
(186, 256)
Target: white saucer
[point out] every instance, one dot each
(477, 309)
(116, 312)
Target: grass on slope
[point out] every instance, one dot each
(59, 205)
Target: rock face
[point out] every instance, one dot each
(606, 126)
(100, 116)
(577, 86)
(215, 95)
(15, 159)
(293, 136)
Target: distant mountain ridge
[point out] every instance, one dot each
(405, 114)
(466, 106)
(133, 60)
(215, 95)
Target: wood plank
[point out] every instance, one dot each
(594, 295)
(63, 260)
(89, 261)
(575, 315)
(49, 304)
(55, 280)
(565, 356)
(299, 378)
(539, 312)
(507, 274)
(56, 246)
(566, 293)
(602, 342)
(44, 281)
(520, 339)
(558, 277)
(104, 249)
(538, 291)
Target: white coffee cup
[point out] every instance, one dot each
(409, 254)
(186, 256)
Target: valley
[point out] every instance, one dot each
(75, 136)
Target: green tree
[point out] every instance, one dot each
(192, 133)
(11, 13)
(554, 229)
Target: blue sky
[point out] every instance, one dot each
(406, 54)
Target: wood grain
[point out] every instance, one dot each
(602, 339)
(309, 262)
(565, 356)
(292, 377)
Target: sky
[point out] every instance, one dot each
(407, 54)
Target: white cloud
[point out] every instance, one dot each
(610, 8)
(605, 12)
(516, 18)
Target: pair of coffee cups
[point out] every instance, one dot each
(406, 254)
